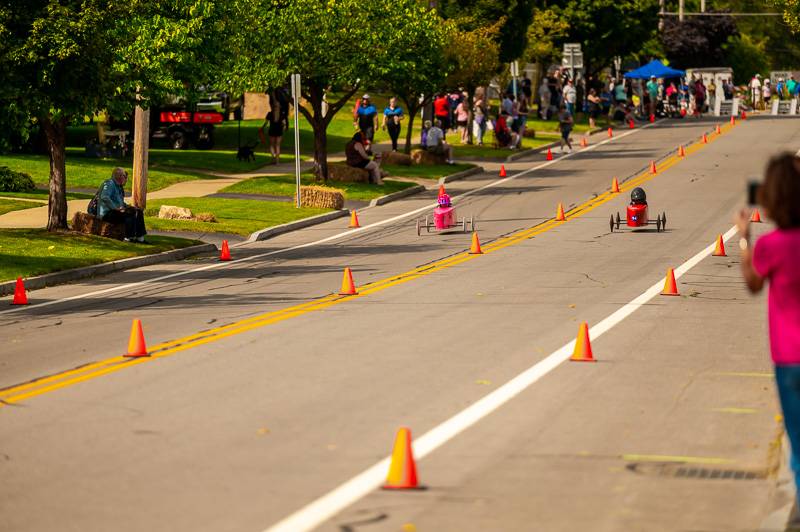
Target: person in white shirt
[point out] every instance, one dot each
(570, 96)
(755, 88)
(436, 144)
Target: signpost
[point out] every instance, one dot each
(296, 100)
(573, 57)
(514, 76)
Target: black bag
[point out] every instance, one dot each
(92, 207)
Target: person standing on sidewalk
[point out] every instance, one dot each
(652, 92)
(392, 115)
(367, 118)
(774, 258)
(479, 113)
(570, 97)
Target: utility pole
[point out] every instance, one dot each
(702, 6)
(680, 10)
(141, 145)
(660, 15)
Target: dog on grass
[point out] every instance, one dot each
(247, 153)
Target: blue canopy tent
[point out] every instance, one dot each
(654, 68)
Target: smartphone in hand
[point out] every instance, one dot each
(752, 191)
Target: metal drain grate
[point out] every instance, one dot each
(678, 470)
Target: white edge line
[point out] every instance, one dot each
(365, 482)
(344, 234)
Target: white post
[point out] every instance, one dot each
(296, 98)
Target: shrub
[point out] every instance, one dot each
(11, 181)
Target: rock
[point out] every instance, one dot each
(347, 174)
(393, 157)
(170, 212)
(420, 156)
(321, 197)
(86, 223)
(206, 217)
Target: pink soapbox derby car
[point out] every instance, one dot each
(444, 218)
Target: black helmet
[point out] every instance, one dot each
(638, 195)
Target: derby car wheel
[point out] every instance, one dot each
(658, 224)
(418, 228)
(618, 220)
(427, 226)
(664, 221)
(611, 223)
(463, 225)
(472, 223)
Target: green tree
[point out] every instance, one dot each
(66, 59)
(513, 16)
(546, 31)
(335, 45)
(791, 13)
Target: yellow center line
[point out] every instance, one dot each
(104, 367)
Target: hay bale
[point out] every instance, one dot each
(86, 223)
(420, 156)
(170, 212)
(393, 157)
(206, 217)
(347, 174)
(321, 197)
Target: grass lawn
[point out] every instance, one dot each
(426, 171)
(43, 195)
(488, 152)
(224, 161)
(237, 216)
(88, 172)
(284, 185)
(29, 252)
(8, 205)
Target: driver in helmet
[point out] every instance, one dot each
(444, 200)
(638, 197)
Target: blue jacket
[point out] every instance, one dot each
(112, 197)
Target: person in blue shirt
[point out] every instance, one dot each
(111, 206)
(392, 115)
(367, 118)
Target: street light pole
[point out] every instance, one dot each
(296, 98)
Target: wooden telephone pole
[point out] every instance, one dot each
(141, 145)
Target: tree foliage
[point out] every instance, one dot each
(791, 13)
(513, 16)
(697, 41)
(546, 31)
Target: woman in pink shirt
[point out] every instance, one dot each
(462, 119)
(776, 258)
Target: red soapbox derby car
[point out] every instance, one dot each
(637, 215)
(444, 218)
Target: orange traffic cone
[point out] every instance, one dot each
(560, 214)
(653, 167)
(756, 217)
(503, 170)
(348, 287)
(353, 220)
(681, 151)
(136, 346)
(442, 191)
(719, 130)
(475, 248)
(225, 254)
(705, 139)
(583, 346)
(652, 119)
(670, 286)
(630, 124)
(20, 297)
(402, 469)
(744, 115)
(583, 142)
(615, 186)
(610, 133)
(549, 156)
(719, 250)
(733, 120)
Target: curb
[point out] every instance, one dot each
(460, 175)
(270, 232)
(67, 276)
(388, 198)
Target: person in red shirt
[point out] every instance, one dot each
(505, 136)
(441, 109)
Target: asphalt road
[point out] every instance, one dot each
(266, 392)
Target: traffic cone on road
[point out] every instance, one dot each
(20, 297)
(136, 345)
(631, 125)
(442, 191)
(583, 142)
(670, 286)
(583, 346)
(756, 217)
(653, 167)
(652, 119)
(615, 186)
(681, 151)
(353, 220)
(705, 139)
(733, 120)
(348, 286)
(549, 156)
(610, 133)
(402, 468)
(225, 254)
(502, 170)
(719, 250)
(560, 214)
(744, 115)
(475, 247)
(719, 130)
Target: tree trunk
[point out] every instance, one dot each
(56, 131)
(470, 114)
(141, 141)
(413, 108)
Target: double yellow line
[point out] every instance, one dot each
(63, 379)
